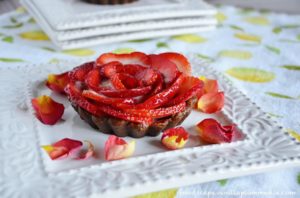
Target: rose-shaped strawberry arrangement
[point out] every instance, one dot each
(134, 94)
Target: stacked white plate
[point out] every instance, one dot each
(75, 23)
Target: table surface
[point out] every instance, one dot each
(257, 50)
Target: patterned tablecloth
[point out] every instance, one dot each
(258, 50)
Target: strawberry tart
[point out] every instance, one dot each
(134, 94)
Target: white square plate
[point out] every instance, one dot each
(28, 172)
(73, 14)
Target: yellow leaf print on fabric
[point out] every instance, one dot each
(248, 37)
(258, 20)
(123, 50)
(162, 194)
(190, 38)
(221, 17)
(294, 134)
(36, 35)
(79, 52)
(251, 74)
(236, 54)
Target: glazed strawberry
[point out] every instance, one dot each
(81, 71)
(93, 78)
(126, 93)
(158, 113)
(132, 58)
(188, 88)
(111, 68)
(104, 99)
(125, 116)
(180, 61)
(128, 81)
(58, 82)
(117, 82)
(166, 67)
(147, 76)
(76, 98)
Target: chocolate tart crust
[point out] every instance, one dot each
(123, 128)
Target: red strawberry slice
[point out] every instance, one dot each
(104, 99)
(74, 95)
(93, 78)
(111, 68)
(147, 76)
(167, 68)
(125, 116)
(159, 99)
(79, 73)
(132, 58)
(190, 87)
(117, 82)
(128, 81)
(126, 93)
(181, 62)
(158, 113)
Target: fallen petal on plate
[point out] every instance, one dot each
(174, 138)
(89, 153)
(47, 110)
(62, 148)
(117, 148)
(212, 131)
(211, 102)
(210, 85)
(57, 83)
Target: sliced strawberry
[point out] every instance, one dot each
(132, 58)
(104, 99)
(93, 78)
(166, 67)
(181, 62)
(157, 113)
(125, 116)
(147, 76)
(128, 80)
(188, 88)
(79, 73)
(111, 68)
(75, 97)
(117, 82)
(133, 69)
(126, 93)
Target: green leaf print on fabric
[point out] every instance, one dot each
(258, 20)
(273, 49)
(298, 37)
(13, 20)
(298, 178)
(123, 50)
(251, 74)
(236, 54)
(205, 57)
(11, 60)
(8, 39)
(289, 41)
(162, 194)
(31, 20)
(279, 29)
(248, 37)
(162, 44)
(222, 182)
(190, 38)
(35, 35)
(275, 115)
(48, 49)
(139, 40)
(79, 52)
(235, 27)
(291, 67)
(278, 95)
(17, 25)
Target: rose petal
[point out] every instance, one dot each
(212, 131)
(210, 85)
(174, 138)
(57, 83)
(211, 102)
(62, 148)
(117, 148)
(47, 110)
(89, 153)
